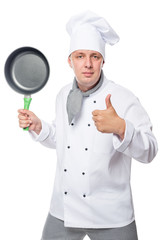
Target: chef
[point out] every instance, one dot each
(99, 127)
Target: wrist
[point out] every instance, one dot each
(38, 128)
(121, 128)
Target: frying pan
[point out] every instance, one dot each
(27, 72)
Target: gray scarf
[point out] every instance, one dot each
(75, 98)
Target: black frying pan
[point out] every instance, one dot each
(27, 72)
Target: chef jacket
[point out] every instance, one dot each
(92, 182)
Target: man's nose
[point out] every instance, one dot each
(88, 63)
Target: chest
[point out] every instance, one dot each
(82, 136)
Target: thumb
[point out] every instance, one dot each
(108, 101)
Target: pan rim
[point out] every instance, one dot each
(9, 65)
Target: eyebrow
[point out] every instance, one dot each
(80, 53)
(94, 53)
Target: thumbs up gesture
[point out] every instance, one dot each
(108, 121)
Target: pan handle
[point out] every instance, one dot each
(27, 101)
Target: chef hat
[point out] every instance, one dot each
(90, 32)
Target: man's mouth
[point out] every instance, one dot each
(87, 74)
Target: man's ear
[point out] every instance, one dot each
(103, 62)
(70, 61)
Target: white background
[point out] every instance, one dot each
(26, 168)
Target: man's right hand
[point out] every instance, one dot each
(29, 119)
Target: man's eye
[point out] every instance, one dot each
(95, 56)
(80, 56)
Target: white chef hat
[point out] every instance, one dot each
(90, 32)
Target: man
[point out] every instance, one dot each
(99, 128)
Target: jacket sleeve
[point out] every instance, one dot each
(139, 142)
(47, 136)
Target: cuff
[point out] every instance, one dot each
(43, 134)
(121, 145)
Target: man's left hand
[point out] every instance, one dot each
(108, 121)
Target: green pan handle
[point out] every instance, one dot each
(27, 101)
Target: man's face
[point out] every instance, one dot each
(87, 67)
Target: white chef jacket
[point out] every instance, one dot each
(92, 182)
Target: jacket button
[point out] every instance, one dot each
(84, 195)
(89, 125)
(65, 193)
(86, 149)
(65, 170)
(72, 124)
(94, 101)
(83, 173)
(68, 147)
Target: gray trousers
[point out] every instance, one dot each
(54, 230)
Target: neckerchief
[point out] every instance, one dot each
(75, 97)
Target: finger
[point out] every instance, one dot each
(108, 101)
(24, 125)
(21, 111)
(96, 119)
(24, 111)
(25, 121)
(95, 112)
(23, 117)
